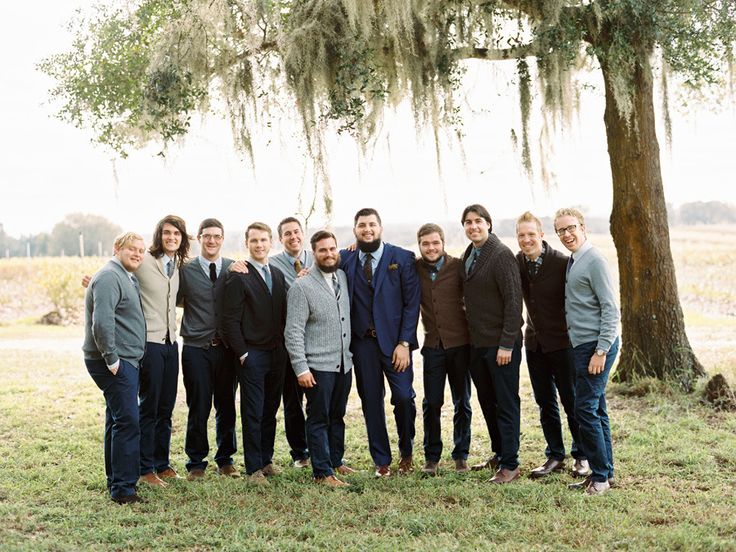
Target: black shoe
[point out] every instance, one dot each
(128, 499)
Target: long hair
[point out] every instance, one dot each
(157, 247)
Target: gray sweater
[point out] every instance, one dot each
(590, 300)
(202, 302)
(317, 329)
(284, 262)
(114, 326)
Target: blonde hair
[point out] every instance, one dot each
(528, 217)
(124, 239)
(569, 212)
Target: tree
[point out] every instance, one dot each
(94, 229)
(139, 73)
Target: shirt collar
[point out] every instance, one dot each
(258, 265)
(583, 249)
(206, 264)
(117, 262)
(301, 257)
(376, 254)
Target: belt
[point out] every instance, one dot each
(215, 342)
(370, 332)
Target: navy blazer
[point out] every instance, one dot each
(396, 295)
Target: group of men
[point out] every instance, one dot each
(295, 325)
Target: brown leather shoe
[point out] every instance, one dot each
(430, 468)
(129, 499)
(195, 474)
(168, 473)
(597, 488)
(490, 464)
(258, 478)
(551, 465)
(330, 481)
(152, 479)
(581, 468)
(269, 470)
(383, 471)
(345, 470)
(461, 466)
(229, 470)
(505, 476)
(406, 465)
(301, 463)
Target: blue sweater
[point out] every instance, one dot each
(590, 300)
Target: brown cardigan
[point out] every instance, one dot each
(493, 298)
(442, 308)
(544, 295)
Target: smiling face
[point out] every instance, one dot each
(131, 254)
(326, 255)
(571, 232)
(258, 243)
(171, 239)
(367, 229)
(529, 237)
(210, 241)
(292, 238)
(431, 247)
(476, 228)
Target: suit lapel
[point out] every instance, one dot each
(381, 269)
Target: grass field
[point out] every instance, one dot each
(675, 465)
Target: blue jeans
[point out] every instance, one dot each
(122, 452)
(452, 363)
(326, 404)
(591, 412)
(552, 372)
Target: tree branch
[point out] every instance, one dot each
(492, 54)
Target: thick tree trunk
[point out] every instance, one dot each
(654, 340)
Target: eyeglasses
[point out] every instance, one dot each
(207, 237)
(569, 229)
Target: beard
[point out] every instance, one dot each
(329, 269)
(369, 247)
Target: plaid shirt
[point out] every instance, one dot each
(534, 266)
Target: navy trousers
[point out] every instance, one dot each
(261, 383)
(209, 374)
(370, 367)
(157, 392)
(326, 404)
(591, 412)
(122, 434)
(549, 373)
(498, 394)
(294, 424)
(453, 364)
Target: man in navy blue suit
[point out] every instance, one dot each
(384, 304)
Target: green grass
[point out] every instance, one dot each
(675, 461)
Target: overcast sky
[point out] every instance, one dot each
(49, 169)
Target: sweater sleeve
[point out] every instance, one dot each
(106, 295)
(297, 313)
(508, 281)
(602, 285)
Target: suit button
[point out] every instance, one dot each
(343, 319)
(344, 335)
(338, 366)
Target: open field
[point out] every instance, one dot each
(675, 460)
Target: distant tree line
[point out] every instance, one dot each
(97, 234)
(702, 212)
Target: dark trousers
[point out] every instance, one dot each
(326, 404)
(157, 393)
(122, 434)
(550, 373)
(452, 363)
(209, 374)
(294, 424)
(261, 382)
(591, 412)
(498, 395)
(370, 367)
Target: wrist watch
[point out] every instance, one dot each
(600, 352)
(405, 344)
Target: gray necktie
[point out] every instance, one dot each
(170, 268)
(336, 286)
(267, 278)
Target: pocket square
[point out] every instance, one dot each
(393, 266)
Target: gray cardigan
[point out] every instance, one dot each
(317, 329)
(590, 300)
(114, 326)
